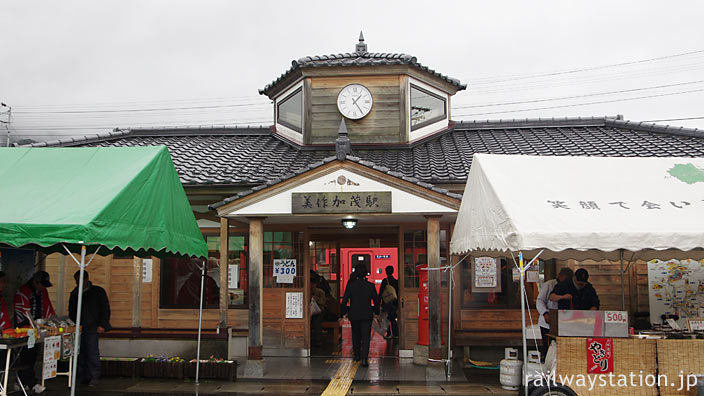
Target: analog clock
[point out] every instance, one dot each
(354, 101)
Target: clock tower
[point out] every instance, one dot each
(384, 98)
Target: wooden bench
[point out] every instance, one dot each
(336, 328)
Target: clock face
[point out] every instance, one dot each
(354, 101)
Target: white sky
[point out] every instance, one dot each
(59, 56)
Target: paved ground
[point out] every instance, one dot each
(327, 373)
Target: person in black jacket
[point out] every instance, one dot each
(390, 307)
(361, 294)
(95, 320)
(576, 293)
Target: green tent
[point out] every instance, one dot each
(105, 200)
(126, 200)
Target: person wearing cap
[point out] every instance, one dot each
(361, 294)
(32, 299)
(544, 305)
(5, 322)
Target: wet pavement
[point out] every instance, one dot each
(327, 372)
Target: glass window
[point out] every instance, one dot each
(290, 111)
(283, 245)
(325, 262)
(180, 278)
(415, 247)
(426, 107)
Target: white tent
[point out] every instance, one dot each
(579, 208)
(582, 207)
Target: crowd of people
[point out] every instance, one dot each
(31, 303)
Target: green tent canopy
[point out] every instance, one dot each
(125, 200)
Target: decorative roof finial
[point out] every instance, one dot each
(343, 146)
(361, 47)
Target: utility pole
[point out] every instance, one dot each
(9, 120)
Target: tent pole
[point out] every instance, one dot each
(79, 307)
(200, 318)
(521, 270)
(449, 323)
(623, 292)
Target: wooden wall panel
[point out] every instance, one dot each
(381, 125)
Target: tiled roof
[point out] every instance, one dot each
(254, 156)
(317, 164)
(359, 59)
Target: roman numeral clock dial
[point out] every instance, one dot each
(354, 101)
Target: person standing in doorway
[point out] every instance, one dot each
(95, 320)
(364, 304)
(544, 305)
(388, 293)
(32, 301)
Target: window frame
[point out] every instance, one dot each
(432, 120)
(279, 102)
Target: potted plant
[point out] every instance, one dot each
(161, 367)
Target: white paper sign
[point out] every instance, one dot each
(31, 340)
(52, 348)
(49, 370)
(615, 317)
(284, 270)
(147, 270)
(532, 276)
(233, 276)
(696, 324)
(673, 324)
(294, 305)
(485, 272)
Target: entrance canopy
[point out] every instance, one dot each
(582, 207)
(125, 199)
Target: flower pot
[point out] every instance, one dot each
(210, 370)
(161, 369)
(118, 367)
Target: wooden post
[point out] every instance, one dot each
(434, 289)
(255, 269)
(136, 292)
(307, 266)
(61, 286)
(224, 267)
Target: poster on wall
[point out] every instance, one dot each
(233, 276)
(486, 275)
(147, 270)
(294, 305)
(676, 287)
(284, 270)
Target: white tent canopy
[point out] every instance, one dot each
(582, 207)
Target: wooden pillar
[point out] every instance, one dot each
(136, 292)
(224, 267)
(61, 285)
(307, 266)
(434, 289)
(255, 269)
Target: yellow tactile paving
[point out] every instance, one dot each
(341, 382)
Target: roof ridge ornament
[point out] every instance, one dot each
(361, 47)
(343, 146)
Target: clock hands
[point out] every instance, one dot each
(354, 102)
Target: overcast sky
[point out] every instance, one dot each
(107, 59)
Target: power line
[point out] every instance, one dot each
(135, 110)
(582, 104)
(572, 71)
(677, 119)
(578, 96)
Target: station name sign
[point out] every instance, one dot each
(341, 202)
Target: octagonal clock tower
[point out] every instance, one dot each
(385, 98)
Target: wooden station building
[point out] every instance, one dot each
(363, 137)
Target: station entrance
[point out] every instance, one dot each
(332, 257)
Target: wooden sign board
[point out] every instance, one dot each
(341, 202)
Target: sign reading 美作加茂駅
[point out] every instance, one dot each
(341, 202)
